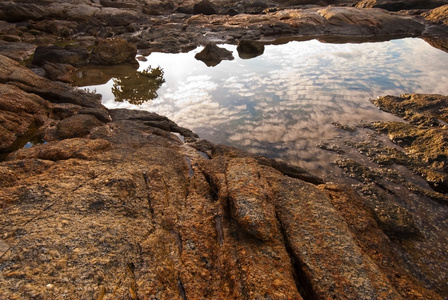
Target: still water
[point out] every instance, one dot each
(283, 103)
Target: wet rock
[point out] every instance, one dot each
(212, 55)
(114, 51)
(77, 126)
(396, 5)
(439, 15)
(204, 7)
(54, 54)
(249, 49)
(59, 72)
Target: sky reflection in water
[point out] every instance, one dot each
(282, 104)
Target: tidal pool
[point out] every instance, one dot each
(283, 103)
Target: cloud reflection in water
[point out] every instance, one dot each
(282, 103)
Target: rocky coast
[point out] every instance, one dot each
(100, 203)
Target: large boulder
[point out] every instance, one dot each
(114, 51)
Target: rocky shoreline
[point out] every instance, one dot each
(121, 204)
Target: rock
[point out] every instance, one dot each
(13, 73)
(21, 114)
(396, 5)
(249, 49)
(309, 219)
(62, 150)
(17, 12)
(439, 15)
(17, 50)
(212, 55)
(204, 7)
(59, 72)
(77, 126)
(114, 51)
(119, 3)
(250, 7)
(54, 54)
(353, 21)
(249, 199)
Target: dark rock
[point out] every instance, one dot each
(59, 72)
(249, 49)
(54, 54)
(396, 5)
(204, 7)
(114, 51)
(212, 55)
(77, 126)
(21, 114)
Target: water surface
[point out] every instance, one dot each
(283, 103)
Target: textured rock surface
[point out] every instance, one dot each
(439, 15)
(114, 205)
